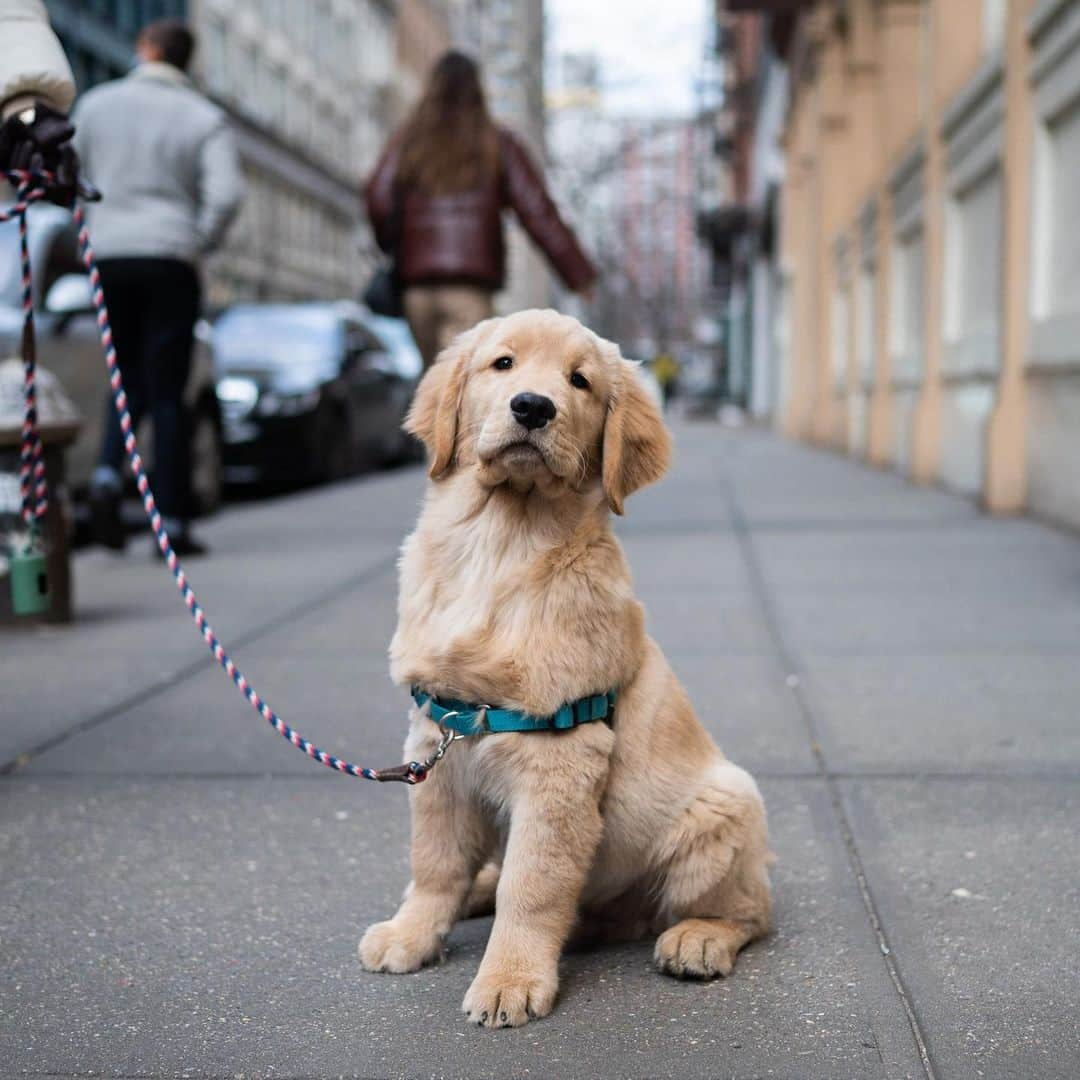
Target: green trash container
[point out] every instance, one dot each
(29, 573)
(35, 585)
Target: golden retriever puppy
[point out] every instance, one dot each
(515, 594)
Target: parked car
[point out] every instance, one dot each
(310, 391)
(68, 345)
(409, 365)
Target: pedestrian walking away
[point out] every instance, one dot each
(436, 200)
(166, 163)
(666, 369)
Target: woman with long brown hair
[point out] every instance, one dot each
(436, 200)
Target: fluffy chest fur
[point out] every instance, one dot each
(526, 606)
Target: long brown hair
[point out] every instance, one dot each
(449, 143)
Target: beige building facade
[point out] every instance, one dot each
(929, 249)
(310, 88)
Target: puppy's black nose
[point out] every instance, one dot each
(532, 410)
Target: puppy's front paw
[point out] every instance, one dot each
(695, 949)
(505, 999)
(398, 947)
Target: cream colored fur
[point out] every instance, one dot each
(514, 591)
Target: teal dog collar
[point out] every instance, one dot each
(472, 719)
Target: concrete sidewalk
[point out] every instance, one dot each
(182, 893)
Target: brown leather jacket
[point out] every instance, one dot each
(458, 238)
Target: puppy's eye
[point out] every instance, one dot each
(504, 363)
(579, 380)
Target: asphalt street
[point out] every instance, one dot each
(181, 892)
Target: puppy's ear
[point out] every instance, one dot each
(433, 415)
(636, 446)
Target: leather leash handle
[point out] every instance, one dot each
(413, 773)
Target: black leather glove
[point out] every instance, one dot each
(38, 139)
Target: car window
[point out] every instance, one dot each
(397, 339)
(277, 336)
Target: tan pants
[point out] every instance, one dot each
(438, 313)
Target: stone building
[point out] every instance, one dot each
(740, 219)
(928, 259)
(310, 87)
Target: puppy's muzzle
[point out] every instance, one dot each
(532, 411)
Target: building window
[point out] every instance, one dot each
(277, 89)
(269, 101)
(243, 82)
(214, 51)
(1055, 256)
(1063, 255)
(840, 333)
(974, 243)
(906, 308)
(993, 24)
(866, 295)
(296, 115)
(867, 321)
(971, 360)
(972, 296)
(323, 36)
(840, 312)
(300, 26)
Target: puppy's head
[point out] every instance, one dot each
(537, 401)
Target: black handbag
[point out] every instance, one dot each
(383, 292)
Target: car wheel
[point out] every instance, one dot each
(392, 449)
(415, 452)
(207, 460)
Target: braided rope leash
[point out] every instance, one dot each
(34, 490)
(412, 773)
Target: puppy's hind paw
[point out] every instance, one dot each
(398, 948)
(696, 949)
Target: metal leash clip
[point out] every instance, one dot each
(417, 771)
(447, 738)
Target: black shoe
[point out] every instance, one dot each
(105, 521)
(185, 545)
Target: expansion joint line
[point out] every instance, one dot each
(792, 668)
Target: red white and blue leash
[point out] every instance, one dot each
(29, 189)
(33, 487)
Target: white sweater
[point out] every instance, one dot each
(165, 161)
(32, 64)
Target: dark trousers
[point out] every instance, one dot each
(153, 305)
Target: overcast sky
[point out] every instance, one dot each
(649, 50)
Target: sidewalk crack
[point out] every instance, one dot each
(786, 656)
